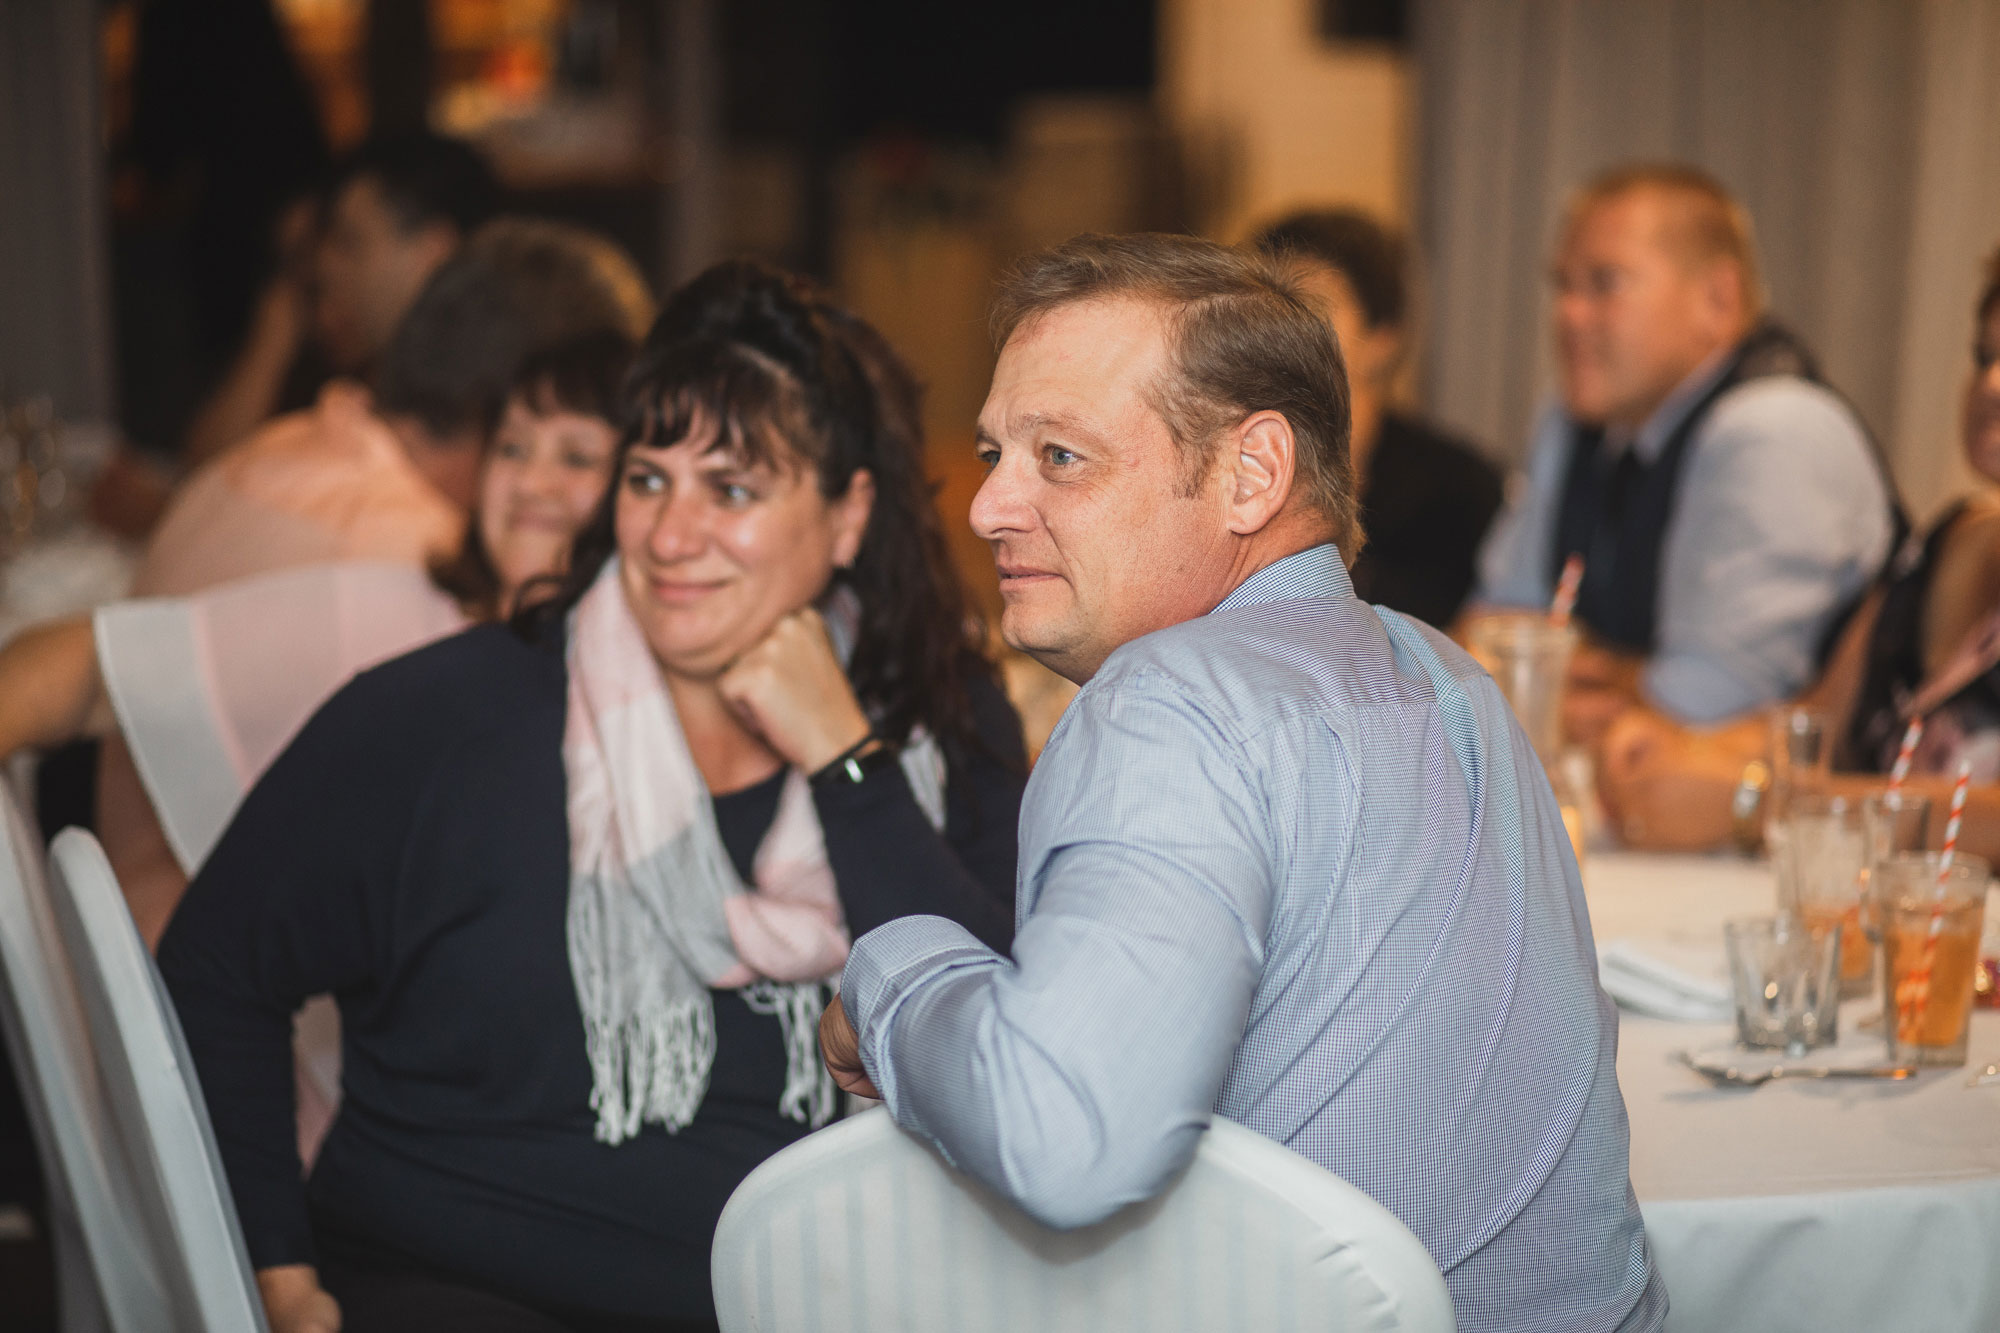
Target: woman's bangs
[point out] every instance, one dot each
(748, 408)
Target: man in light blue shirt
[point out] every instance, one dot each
(1725, 505)
(1286, 859)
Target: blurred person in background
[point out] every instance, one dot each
(389, 474)
(205, 690)
(382, 477)
(348, 269)
(1426, 498)
(1727, 506)
(1925, 644)
(622, 841)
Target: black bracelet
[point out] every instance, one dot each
(856, 762)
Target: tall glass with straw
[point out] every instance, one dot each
(1528, 658)
(1930, 907)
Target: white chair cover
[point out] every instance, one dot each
(105, 1278)
(176, 1187)
(861, 1229)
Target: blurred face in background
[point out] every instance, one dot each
(1635, 313)
(1982, 399)
(543, 479)
(369, 268)
(714, 550)
(1370, 351)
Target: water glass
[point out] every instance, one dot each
(1930, 918)
(1801, 755)
(1819, 848)
(1785, 979)
(1528, 658)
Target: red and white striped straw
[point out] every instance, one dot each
(1951, 824)
(1564, 602)
(1916, 988)
(1912, 736)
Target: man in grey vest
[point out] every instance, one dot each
(1726, 505)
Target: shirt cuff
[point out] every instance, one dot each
(887, 966)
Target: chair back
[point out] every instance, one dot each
(154, 1106)
(106, 1282)
(861, 1227)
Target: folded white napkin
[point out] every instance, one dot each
(1665, 981)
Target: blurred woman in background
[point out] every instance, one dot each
(205, 690)
(576, 884)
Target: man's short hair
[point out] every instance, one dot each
(1370, 256)
(1706, 221)
(519, 287)
(1241, 338)
(1989, 295)
(425, 179)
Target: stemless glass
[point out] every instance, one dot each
(1784, 979)
(1801, 753)
(1930, 920)
(1821, 858)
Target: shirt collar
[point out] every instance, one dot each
(1667, 417)
(1317, 571)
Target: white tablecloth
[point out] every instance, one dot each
(1817, 1206)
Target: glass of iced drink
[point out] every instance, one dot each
(1930, 918)
(1821, 860)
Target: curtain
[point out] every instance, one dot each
(1863, 137)
(55, 305)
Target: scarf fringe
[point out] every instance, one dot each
(810, 1094)
(652, 1066)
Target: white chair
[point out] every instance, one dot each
(861, 1229)
(106, 1281)
(155, 1114)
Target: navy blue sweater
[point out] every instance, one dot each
(409, 853)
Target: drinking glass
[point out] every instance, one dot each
(1801, 753)
(1930, 917)
(1784, 977)
(1821, 857)
(1528, 658)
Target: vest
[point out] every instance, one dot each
(1615, 513)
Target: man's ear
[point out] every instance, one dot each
(1261, 455)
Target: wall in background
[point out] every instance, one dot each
(55, 336)
(1272, 116)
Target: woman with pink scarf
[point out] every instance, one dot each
(577, 882)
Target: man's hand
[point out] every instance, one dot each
(841, 1049)
(294, 1302)
(1603, 683)
(789, 688)
(1666, 787)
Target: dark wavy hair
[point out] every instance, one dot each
(796, 381)
(584, 375)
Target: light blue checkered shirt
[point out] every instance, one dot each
(1291, 863)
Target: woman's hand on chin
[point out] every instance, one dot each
(790, 689)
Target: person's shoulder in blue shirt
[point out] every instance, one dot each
(1287, 859)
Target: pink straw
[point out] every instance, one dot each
(1912, 735)
(1564, 602)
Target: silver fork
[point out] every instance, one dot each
(1732, 1077)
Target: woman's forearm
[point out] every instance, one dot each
(50, 688)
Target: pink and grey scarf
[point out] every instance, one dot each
(657, 912)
